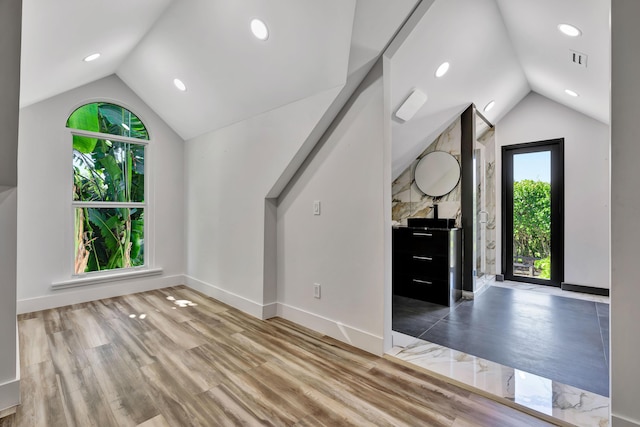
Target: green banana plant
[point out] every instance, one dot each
(108, 171)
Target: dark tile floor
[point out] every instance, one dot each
(563, 339)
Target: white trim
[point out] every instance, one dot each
(270, 310)
(356, 337)
(620, 421)
(9, 394)
(148, 205)
(234, 300)
(109, 136)
(63, 297)
(10, 390)
(112, 276)
(17, 351)
(108, 205)
(351, 335)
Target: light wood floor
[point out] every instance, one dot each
(207, 364)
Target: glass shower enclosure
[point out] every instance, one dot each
(484, 197)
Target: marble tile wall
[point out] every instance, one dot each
(489, 187)
(409, 202)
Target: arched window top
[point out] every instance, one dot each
(107, 118)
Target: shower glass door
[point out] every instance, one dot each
(484, 196)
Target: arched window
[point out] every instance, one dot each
(109, 144)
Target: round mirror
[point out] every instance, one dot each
(437, 173)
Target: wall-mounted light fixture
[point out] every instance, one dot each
(411, 105)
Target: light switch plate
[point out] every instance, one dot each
(316, 207)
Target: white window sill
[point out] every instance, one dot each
(110, 277)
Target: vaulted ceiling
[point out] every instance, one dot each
(545, 54)
(229, 74)
(497, 49)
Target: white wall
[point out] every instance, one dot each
(229, 173)
(45, 224)
(342, 249)
(586, 180)
(625, 211)
(10, 19)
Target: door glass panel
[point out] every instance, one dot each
(532, 215)
(484, 212)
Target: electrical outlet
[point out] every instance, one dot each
(316, 290)
(316, 207)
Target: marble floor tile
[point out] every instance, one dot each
(564, 339)
(569, 404)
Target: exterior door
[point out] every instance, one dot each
(533, 212)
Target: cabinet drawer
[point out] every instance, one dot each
(420, 241)
(435, 291)
(408, 265)
(429, 242)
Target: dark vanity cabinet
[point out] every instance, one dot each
(427, 264)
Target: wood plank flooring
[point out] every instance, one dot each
(175, 357)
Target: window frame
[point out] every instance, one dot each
(146, 205)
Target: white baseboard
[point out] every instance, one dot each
(63, 297)
(10, 390)
(253, 308)
(618, 421)
(356, 337)
(270, 310)
(9, 394)
(351, 335)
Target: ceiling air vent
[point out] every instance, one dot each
(578, 58)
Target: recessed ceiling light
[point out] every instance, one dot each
(126, 127)
(180, 85)
(91, 57)
(570, 92)
(489, 106)
(442, 69)
(569, 30)
(259, 29)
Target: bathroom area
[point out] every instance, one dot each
(467, 301)
(452, 311)
(444, 203)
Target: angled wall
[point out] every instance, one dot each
(342, 249)
(10, 19)
(229, 173)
